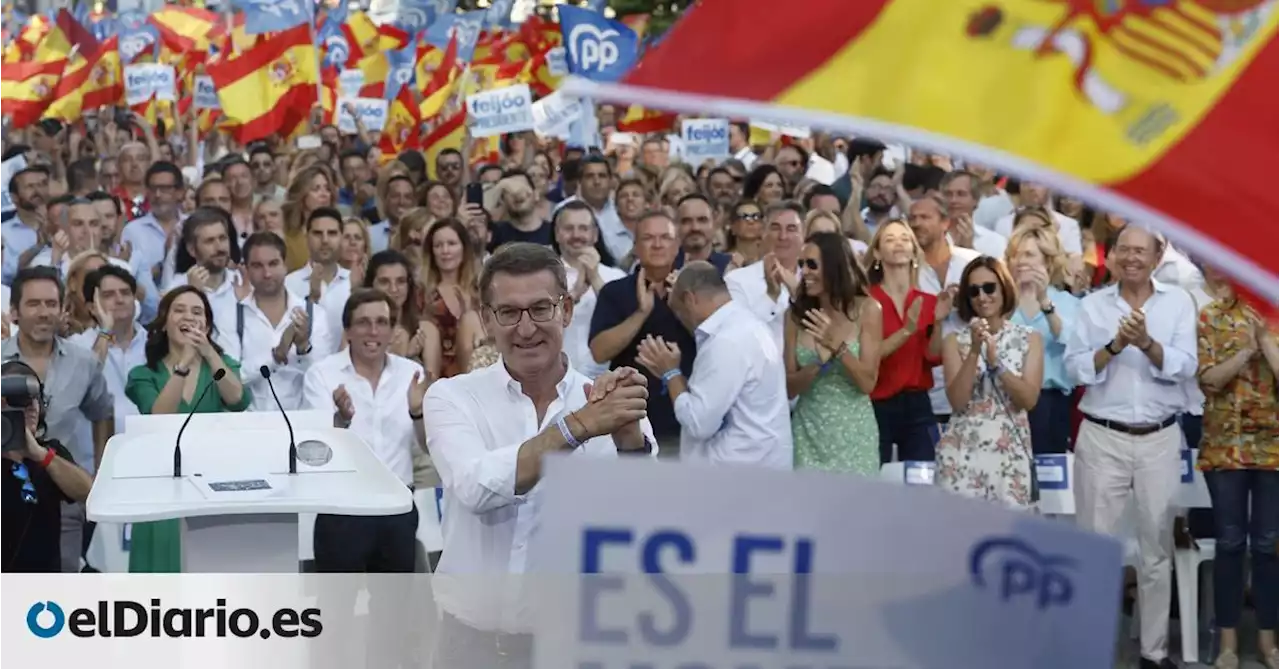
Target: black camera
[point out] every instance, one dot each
(18, 391)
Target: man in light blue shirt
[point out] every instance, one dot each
(22, 234)
(153, 234)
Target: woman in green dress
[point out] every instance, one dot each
(181, 359)
(833, 334)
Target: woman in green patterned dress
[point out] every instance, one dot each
(833, 335)
(181, 360)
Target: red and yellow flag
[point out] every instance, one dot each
(186, 29)
(26, 90)
(402, 131)
(1164, 112)
(450, 133)
(271, 87)
(437, 90)
(88, 83)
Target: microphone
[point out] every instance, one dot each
(177, 444)
(293, 445)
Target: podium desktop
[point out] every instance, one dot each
(236, 500)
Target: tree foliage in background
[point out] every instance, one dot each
(663, 13)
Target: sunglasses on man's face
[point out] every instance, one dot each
(977, 289)
(750, 217)
(808, 263)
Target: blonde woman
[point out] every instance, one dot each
(451, 299)
(912, 344)
(1039, 267)
(356, 248)
(312, 188)
(676, 183)
(268, 216)
(818, 220)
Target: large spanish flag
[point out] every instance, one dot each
(1164, 111)
(26, 90)
(271, 87)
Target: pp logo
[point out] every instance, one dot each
(135, 43)
(337, 49)
(590, 47)
(45, 631)
(412, 18)
(468, 33)
(1021, 571)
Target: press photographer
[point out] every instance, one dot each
(41, 476)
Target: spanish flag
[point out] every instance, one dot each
(271, 87)
(644, 120)
(450, 133)
(436, 90)
(26, 90)
(186, 29)
(90, 83)
(1163, 112)
(402, 131)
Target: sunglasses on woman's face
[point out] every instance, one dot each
(977, 289)
(808, 263)
(750, 217)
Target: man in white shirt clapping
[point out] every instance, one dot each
(734, 407)
(488, 431)
(1133, 348)
(323, 281)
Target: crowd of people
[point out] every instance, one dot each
(807, 304)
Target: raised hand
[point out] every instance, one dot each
(590, 260)
(611, 380)
(658, 355)
(962, 230)
(100, 314)
(977, 335)
(644, 294)
(358, 269)
(785, 276)
(913, 315)
(1135, 329)
(991, 352)
(622, 407)
(301, 328)
(241, 285)
(343, 404)
(61, 244)
(198, 277)
(946, 302)
(822, 329)
(418, 391)
(772, 287)
(316, 283)
(670, 282)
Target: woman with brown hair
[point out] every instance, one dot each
(744, 238)
(311, 189)
(438, 199)
(411, 234)
(451, 297)
(993, 370)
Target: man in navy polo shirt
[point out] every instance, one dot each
(634, 307)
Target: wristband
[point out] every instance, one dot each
(49, 455)
(1109, 348)
(1146, 348)
(670, 374)
(565, 432)
(415, 416)
(106, 334)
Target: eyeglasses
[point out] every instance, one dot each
(808, 263)
(20, 472)
(539, 312)
(162, 188)
(977, 289)
(757, 216)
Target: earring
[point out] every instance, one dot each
(914, 263)
(876, 267)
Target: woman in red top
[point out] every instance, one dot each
(912, 345)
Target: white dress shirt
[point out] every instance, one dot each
(736, 408)
(747, 157)
(382, 415)
(475, 424)
(748, 289)
(115, 369)
(261, 337)
(988, 243)
(928, 280)
(333, 296)
(1130, 389)
(1068, 231)
(616, 237)
(577, 343)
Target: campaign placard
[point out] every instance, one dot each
(350, 82)
(206, 96)
(9, 168)
(500, 111)
(739, 566)
(142, 82)
(553, 114)
(704, 138)
(372, 113)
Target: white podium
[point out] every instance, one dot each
(236, 500)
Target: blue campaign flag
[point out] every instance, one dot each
(499, 15)
(597, 48)
(272, 16)
(330, 35)
(399, 70)
(596, 6)
(414, 16)
(467, 26)
(136, 34)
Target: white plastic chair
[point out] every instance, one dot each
(1192, 493)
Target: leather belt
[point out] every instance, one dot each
(1132, 430)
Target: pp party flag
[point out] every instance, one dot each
(499, 14)
(330, 38)
(467, 27)
(598, 48)
(271, 87)
(25, 90)
(273, 16)
(400, 66)
(135, 35)
(1163, 112)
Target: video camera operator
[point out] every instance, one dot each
(41, 476)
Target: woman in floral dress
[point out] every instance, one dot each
(833, 334)
(993, 370)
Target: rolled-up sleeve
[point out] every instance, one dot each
(481, 479)
(1082, 343)
(1180, 357)
(719, 374)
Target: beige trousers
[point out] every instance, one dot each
(1113, 468)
